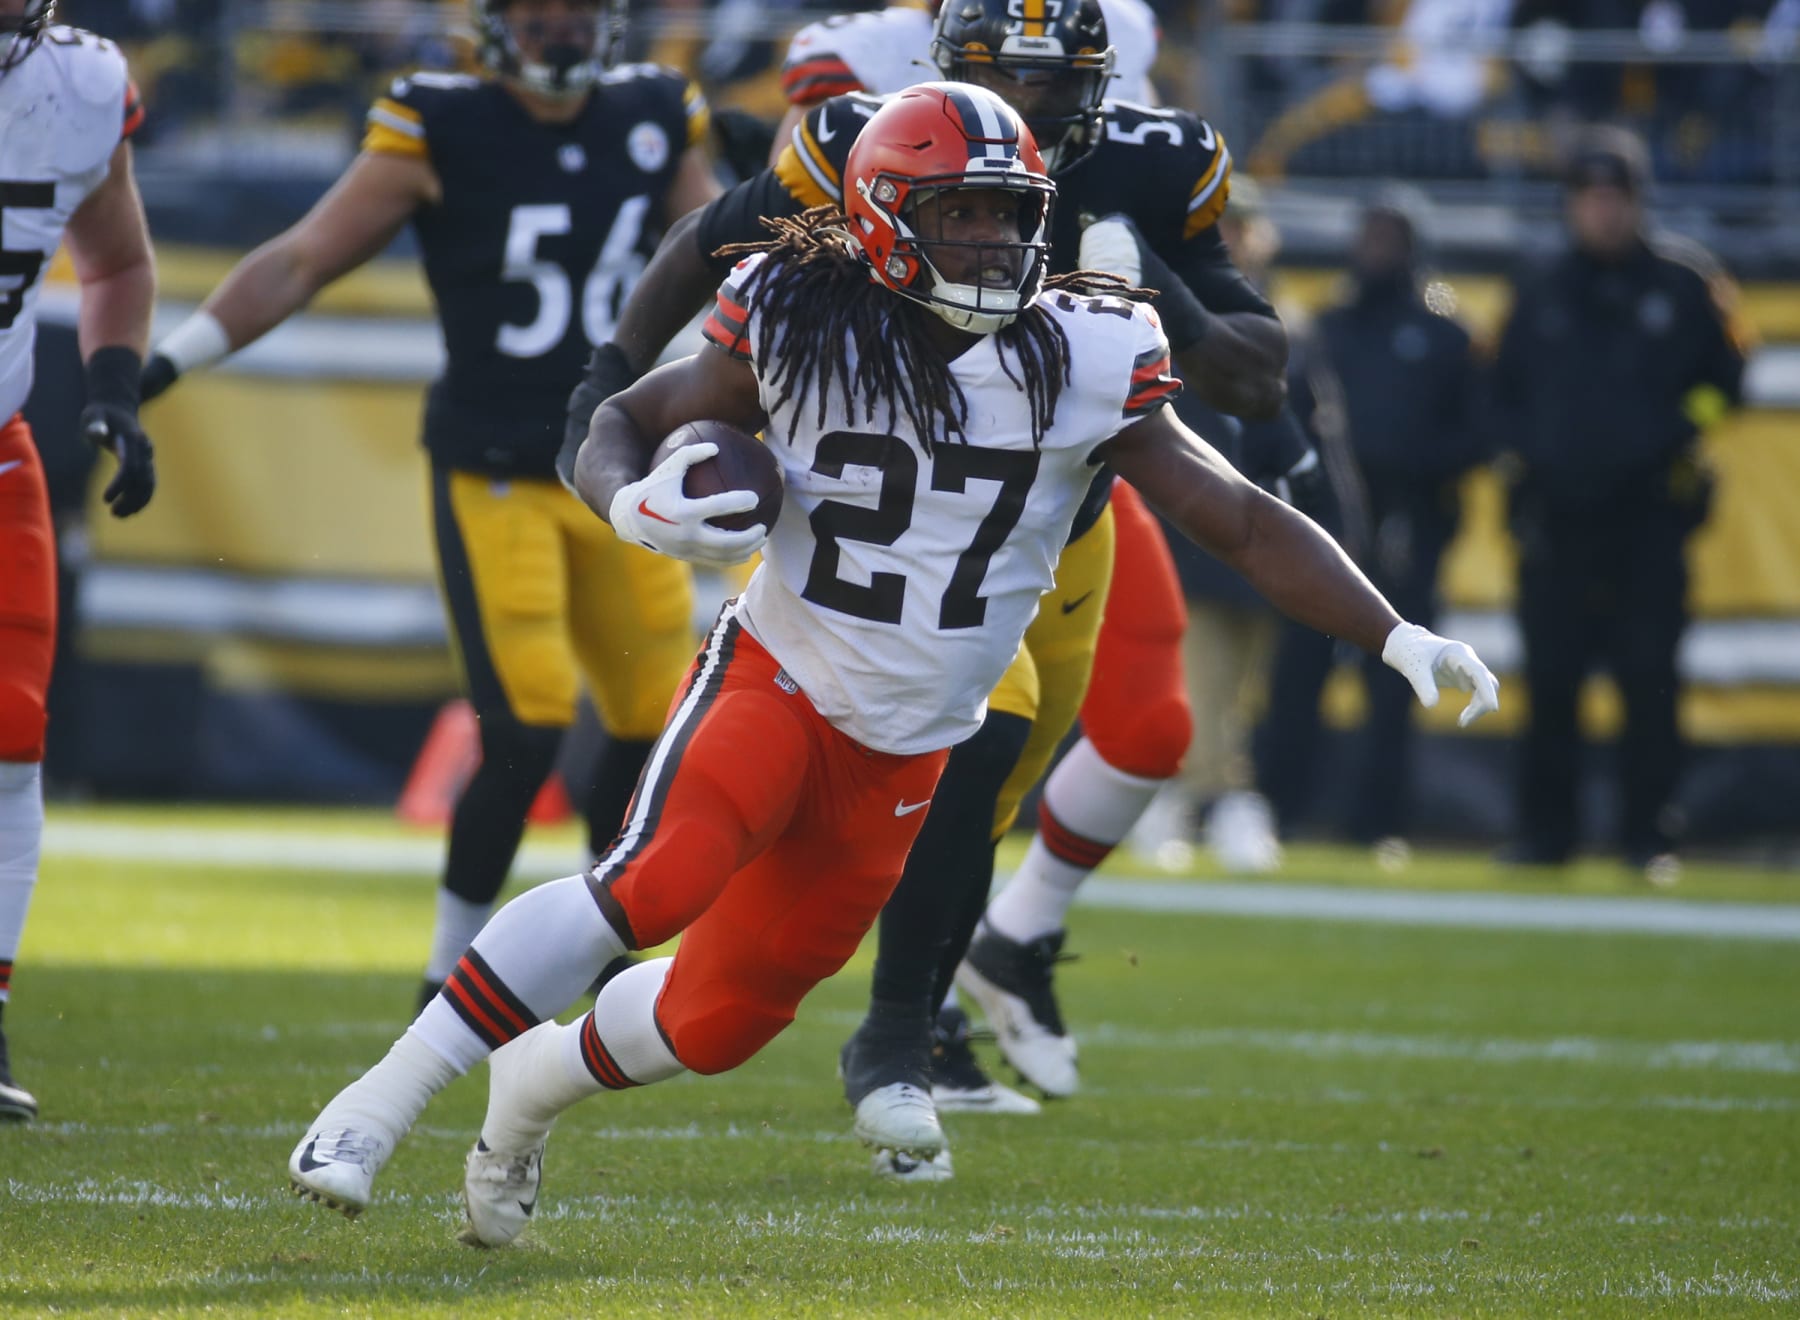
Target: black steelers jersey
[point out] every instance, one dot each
(540, 234)
(1167, 169)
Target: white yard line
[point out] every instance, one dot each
(278, 849)
(304, 851)
(1385, 907)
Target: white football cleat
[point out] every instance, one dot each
(336, 1166)
(1240, 832)
(899, 1117)
(500, 1192)
(1014, 984)
(16, 1103)
(898, 1167)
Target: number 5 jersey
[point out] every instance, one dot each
(64, 109)
(901, 575)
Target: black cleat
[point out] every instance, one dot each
(959, 1084)
(17, 1105)
(1014, 984)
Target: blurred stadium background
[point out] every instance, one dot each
(271, 629)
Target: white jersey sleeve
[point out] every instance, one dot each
(904, 569)
(64, 109)
(889, 50)
(880, 52)
(1132, 29)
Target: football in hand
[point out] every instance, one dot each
(742, 463)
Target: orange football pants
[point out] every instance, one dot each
(763, 836)
(1136, 712)
(27, 595)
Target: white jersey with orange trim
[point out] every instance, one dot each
(898, 582)
(890, 49)
(64, 109)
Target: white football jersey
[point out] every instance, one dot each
(63, 111)
(898, 582)
(888, 50)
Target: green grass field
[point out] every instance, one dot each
(1281, 1116)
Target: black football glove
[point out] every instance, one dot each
(159, 373)
(110, 422)
(608, 372)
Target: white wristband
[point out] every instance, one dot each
(198, 341)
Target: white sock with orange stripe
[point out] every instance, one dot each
(532, 960)
(553, 1067)
(1088, 809)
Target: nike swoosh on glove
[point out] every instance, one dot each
(113, 428)
(656, 513)
(1430, 663)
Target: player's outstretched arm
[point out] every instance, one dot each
(109, 245)
(352, 223)
(1286, 556)
(649, 507)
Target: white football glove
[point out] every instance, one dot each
(655, 513)
(1430, 662)
(1111, 244)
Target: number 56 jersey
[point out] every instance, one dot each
(64, 109)
(540, 234)
(904, 569)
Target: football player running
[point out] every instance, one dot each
(67, 110)
(535, 193)
(885, 50)
(1142, 189)
(936, 404)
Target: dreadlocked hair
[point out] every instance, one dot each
(817, 288)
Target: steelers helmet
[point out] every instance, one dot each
(562, 69)
(1049, 59)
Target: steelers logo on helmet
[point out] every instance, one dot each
(1048, 59)
(923, 152)
(555, 50)
(21, 32)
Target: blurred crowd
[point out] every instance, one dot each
(1421, 88)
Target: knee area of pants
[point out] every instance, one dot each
(22, 722)
(1150, 744)
(726, 1039)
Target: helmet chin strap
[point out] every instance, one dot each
(955, 303)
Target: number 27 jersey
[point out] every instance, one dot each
(899, 580)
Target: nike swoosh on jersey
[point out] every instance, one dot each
(1070, 606)
(905, 808)
(645, 509)
(8, 467)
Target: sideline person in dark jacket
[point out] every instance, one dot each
(1616, 357)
